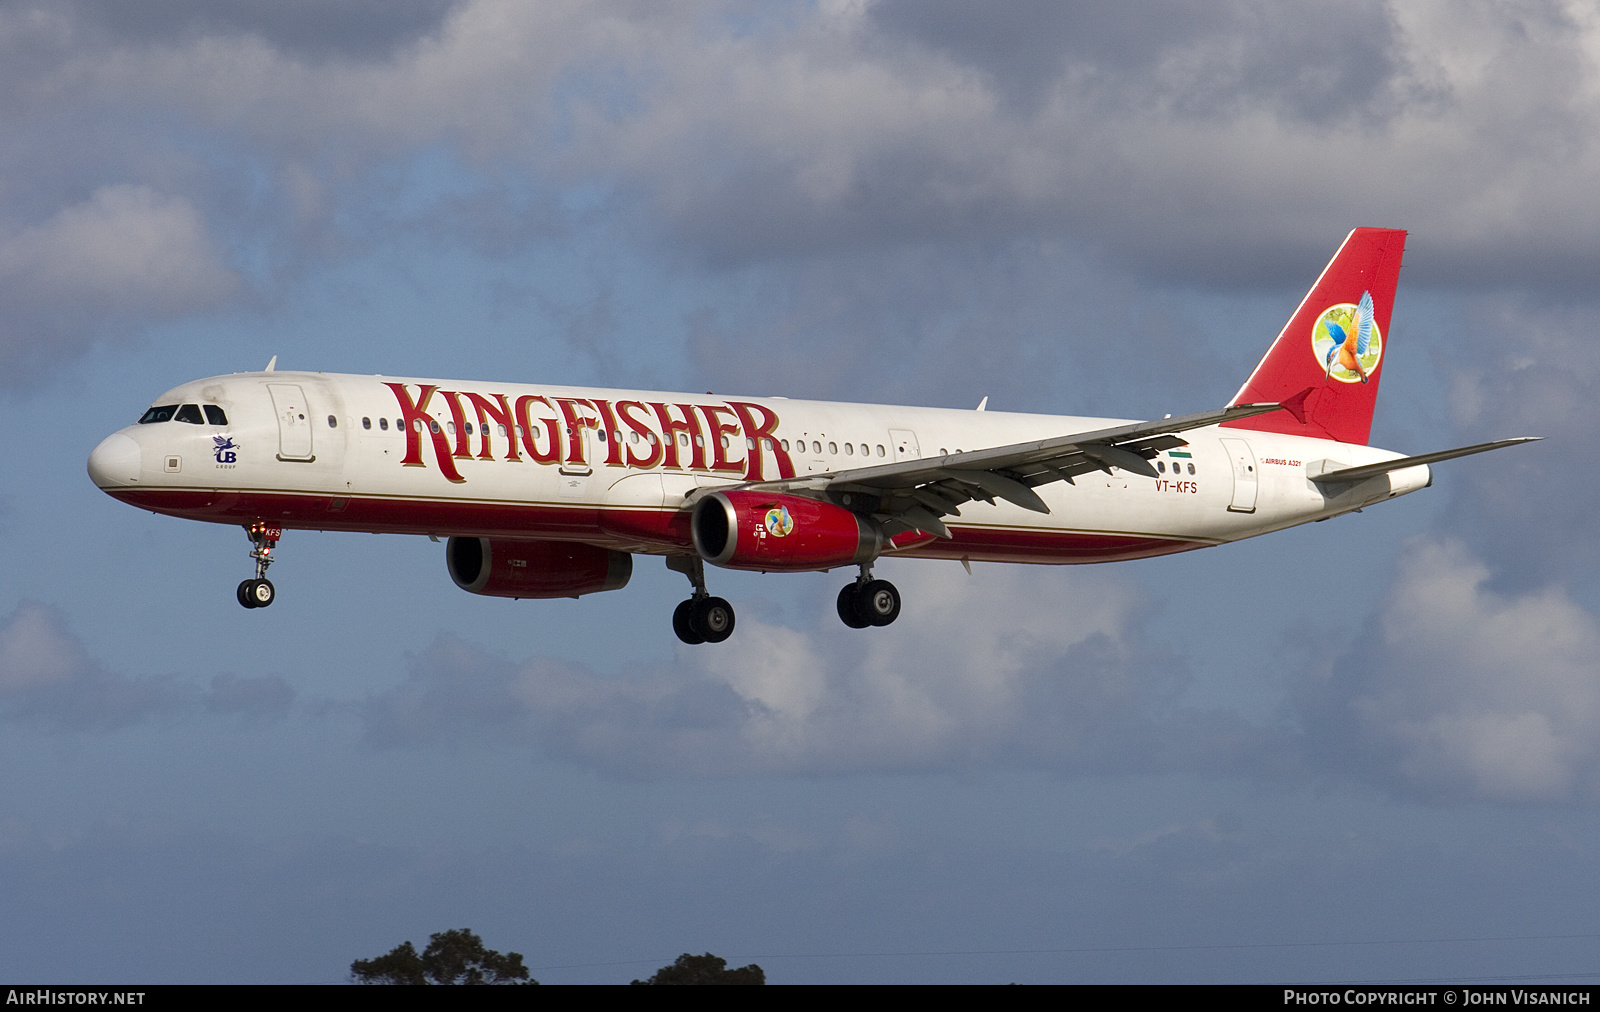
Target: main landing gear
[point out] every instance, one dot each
(702, 618)
(707, 619)
(259, 593)
(868, 602)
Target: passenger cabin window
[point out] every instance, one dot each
(189, 413)
(366, 422)
(333, 423)
(215, 415)
(383, 423)
(158, 414)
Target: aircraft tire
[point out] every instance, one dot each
(244, 594)
(713, 619)
(683, 623)
(850, 607)
(879, 602)
(261, 593)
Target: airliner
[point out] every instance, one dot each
(542, 491)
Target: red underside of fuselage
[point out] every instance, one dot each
(661, 531)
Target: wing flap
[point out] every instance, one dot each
(1009, 489)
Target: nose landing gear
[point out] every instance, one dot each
(259, 593)
(868, 602)
(702, 618)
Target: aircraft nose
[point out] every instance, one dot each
(115, 462)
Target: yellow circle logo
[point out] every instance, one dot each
(778, 522)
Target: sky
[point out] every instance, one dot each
(1366, 750)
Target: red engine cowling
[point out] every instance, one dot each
(535, 568)
(781, 533)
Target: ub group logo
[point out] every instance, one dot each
(224, 450)
(1346, 341)
(778, 522)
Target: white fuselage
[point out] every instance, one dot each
(373, 453)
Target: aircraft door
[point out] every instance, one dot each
(905, 444)
(294, 422)
(1245, 475)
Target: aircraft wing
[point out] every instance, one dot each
(916, 494)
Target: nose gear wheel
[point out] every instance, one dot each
(257, 593)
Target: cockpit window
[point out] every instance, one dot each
(189, 413)
(161, 413)
(215, 415)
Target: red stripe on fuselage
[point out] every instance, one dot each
(608, 527)
(990, 544)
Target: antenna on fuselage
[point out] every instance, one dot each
(272, 365)
(983, 403)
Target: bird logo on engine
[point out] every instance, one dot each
(778, 521)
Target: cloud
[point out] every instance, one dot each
(309, 29)
(1517, 365)
(126, 253)
(1459, 691)
(47, 678)
(263, 696)
(1214, 145)
(36, 651)
(125, 244)
(45, 675)
(1009, 668)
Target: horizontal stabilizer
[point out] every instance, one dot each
(1349, 474)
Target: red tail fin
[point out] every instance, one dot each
(1329, 357)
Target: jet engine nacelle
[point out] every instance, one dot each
(535, 568)
(781, 533)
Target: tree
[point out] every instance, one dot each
(452, 957)
(706, 969)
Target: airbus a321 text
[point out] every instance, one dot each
(547, 491)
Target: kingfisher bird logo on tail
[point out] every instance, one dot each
(1348, 341)
(1331, 393)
